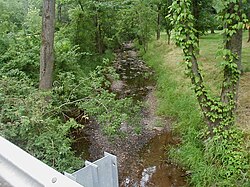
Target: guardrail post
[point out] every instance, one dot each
(101, 173)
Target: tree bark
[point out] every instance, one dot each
(98, 31)
(248, 34)
(212, 30)
(168, 35)
(158, 22)
(235, 46)
(196, 13)
(59, 12)
(47, 47)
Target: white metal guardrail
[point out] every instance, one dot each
(20, 169)
(101, 173)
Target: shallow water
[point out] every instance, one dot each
(81, 143)
(136, 77)
(152, 170)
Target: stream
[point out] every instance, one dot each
(150, 168)
(136, 79)
(142, 159)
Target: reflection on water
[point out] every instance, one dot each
(146, 175)
(152, 170)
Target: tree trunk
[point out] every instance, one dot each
(26, 6)
(212, 30)
(168, 36)
(47, 47)
(230, 84)
(248, 34)
(234, 44)
(59, 12)
(196, 13)
(229, 87)
(158, 23)
(98, 34)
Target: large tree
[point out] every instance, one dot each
(218, 111)
(167, 22)
(247, 10)
(47, 48)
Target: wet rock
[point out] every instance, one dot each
(124, 77)
(127, 92)
(130, 59)
(150, 88)
(158, 128)
(146, 175)
(128, 46)
(124, 127)
(132, 54)
(117, 86)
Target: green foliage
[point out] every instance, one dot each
(11, 19)
(226, 151)
(34, 120)
(90, 94)
(23, 48)
(23, 54)
(26, 122)
(110, 23)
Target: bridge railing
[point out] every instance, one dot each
(19, 169)
(101, 173)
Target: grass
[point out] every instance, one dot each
(177, 100)
(245, 53)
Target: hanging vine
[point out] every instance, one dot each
(218, 111)
(223, 141)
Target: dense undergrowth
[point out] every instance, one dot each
(217, 161)
(39, 122)
(36, 121)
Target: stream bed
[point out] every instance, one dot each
(150, 168)
(142, 159)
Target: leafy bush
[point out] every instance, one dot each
(26, 122)
(91, 95)
(21, 49)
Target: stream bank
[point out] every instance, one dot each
(141, 157)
